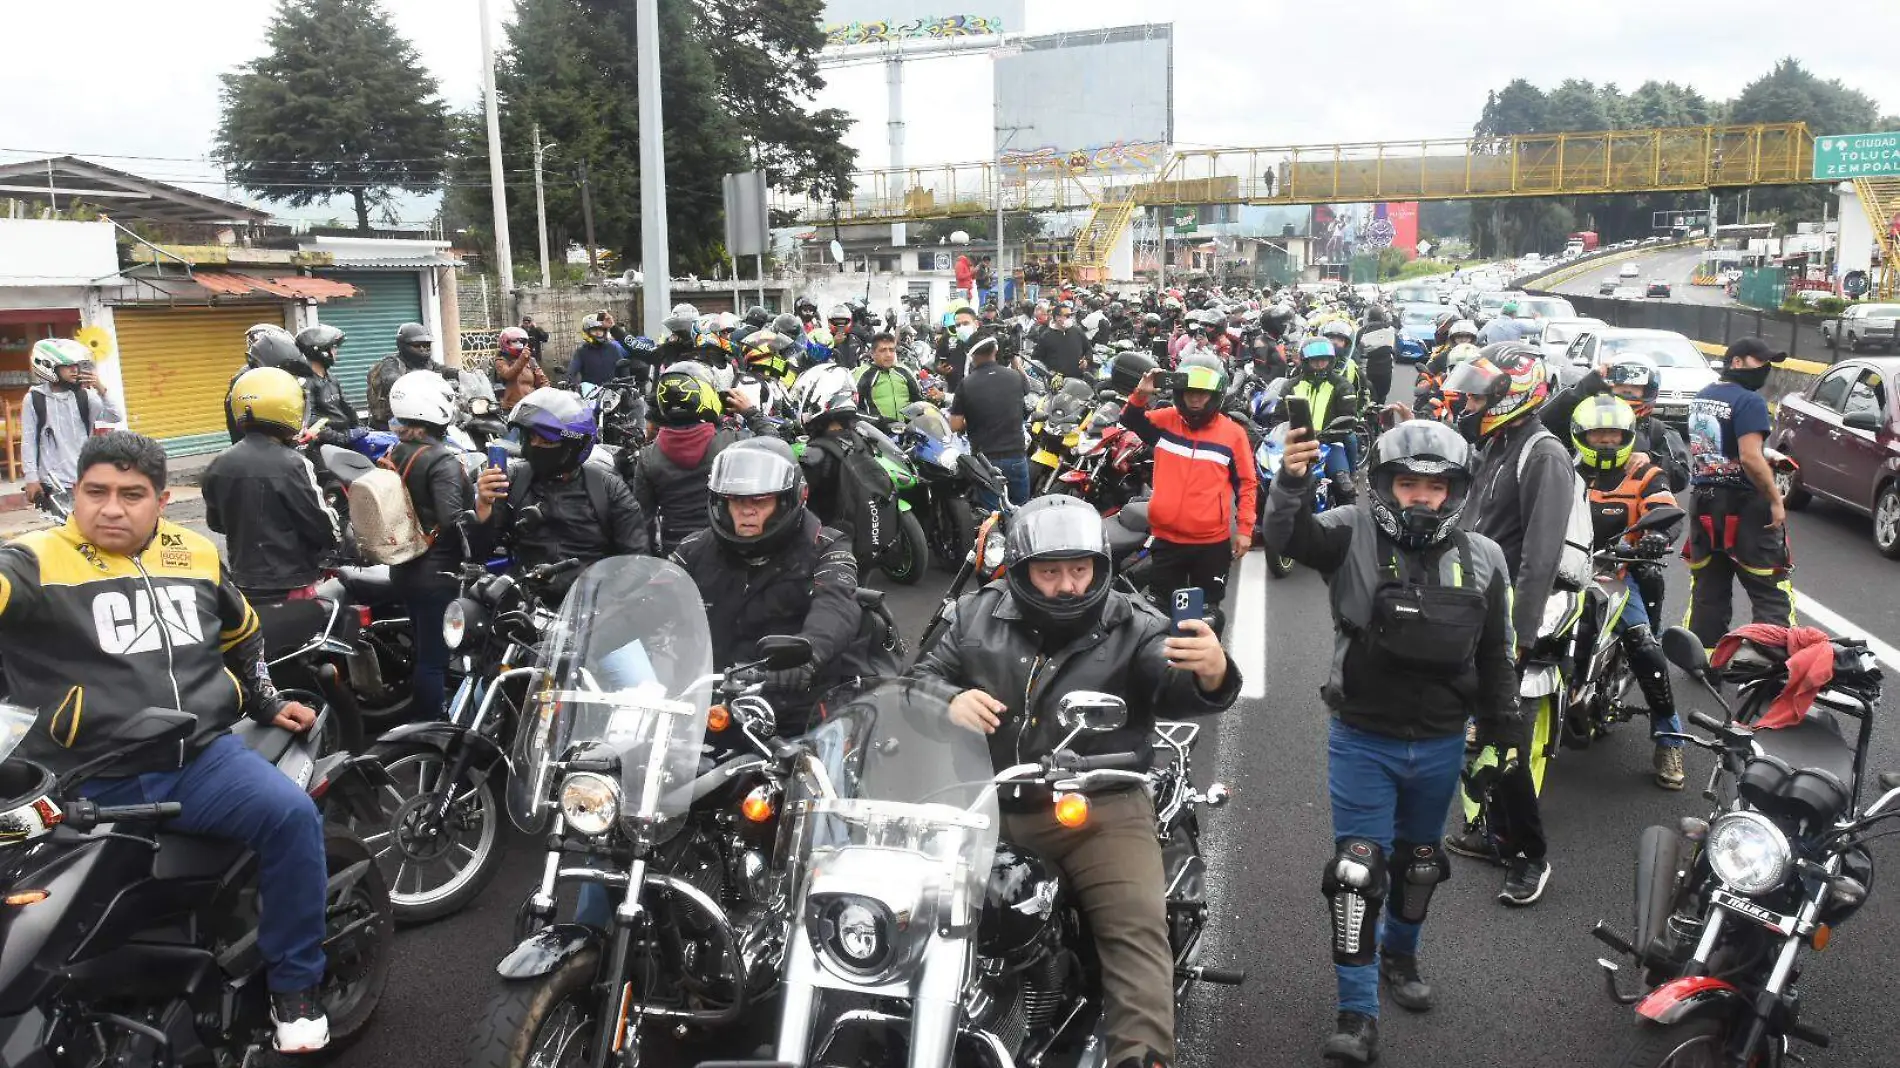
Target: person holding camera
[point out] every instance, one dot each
(61, 409)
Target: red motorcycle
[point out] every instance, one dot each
(1110, 465)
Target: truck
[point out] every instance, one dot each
(1581, 242)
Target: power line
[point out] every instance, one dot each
(213, 161)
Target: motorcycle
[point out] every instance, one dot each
(919, 935)
(941, 497)
(1110, 465)
(1725, 905)
(621, 412)
(128, 944)
(983, 560)
(609, 765)
(905, 557)
(1055, 429)
(1600, 696)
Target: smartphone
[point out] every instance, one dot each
(1189, 603)
(498, 456)
(1299, 415)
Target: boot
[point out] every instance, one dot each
(1668, 764)
(1355, 1039)
(1399, 971)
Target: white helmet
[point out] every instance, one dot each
(1462, 326)
(681, 319)
(423, 397)
(823, 380)
(52, 353)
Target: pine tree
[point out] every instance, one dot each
(341, 105)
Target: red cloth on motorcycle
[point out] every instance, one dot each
(1810, 666)
(686, 445)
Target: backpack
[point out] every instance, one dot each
(1573, 564)
(38, 397)
(383, 515)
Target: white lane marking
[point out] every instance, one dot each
(1247, 637)
(1843, 627)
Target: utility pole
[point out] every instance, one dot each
(653, 254)
(541, 201)
(498, 194)
(587, 215)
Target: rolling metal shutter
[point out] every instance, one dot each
(385, 300)
(177, 364)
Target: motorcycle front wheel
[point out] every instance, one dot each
(1279, 566)
(1698, 1042)
(433, 872)
(548, 1022)
(910, 557)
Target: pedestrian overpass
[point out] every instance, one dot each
(1665, 160)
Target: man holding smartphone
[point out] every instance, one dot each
(62, 408)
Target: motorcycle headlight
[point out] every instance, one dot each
(457, 621)
(990, 554)
(589, 803)
(1556, 610)
(1748, 852)
(948, 457)
(857, 934)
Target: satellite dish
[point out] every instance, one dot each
(959, 237)
(837, 252)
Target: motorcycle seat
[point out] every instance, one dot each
(367, 585)
(1815, 744)
(266, 741)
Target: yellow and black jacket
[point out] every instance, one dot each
(93, 639)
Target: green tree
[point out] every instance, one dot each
(340, 105)
(1791, 93)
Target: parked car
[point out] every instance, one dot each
(1607, 286)
(1627, 293)
(1843, 433)
(1863, 326)
(1656, 288)
(1685, 370)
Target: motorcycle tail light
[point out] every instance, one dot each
(757, 805)
(363, 615)
(718, 718)
(1072, 810)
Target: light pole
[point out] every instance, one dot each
(996, 274)
(540, 200)
(654, 274)
(504, 256)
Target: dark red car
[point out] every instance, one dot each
(1844, 433)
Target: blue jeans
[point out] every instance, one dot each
(1015, 471)
(1387, 789)
(227, 791)
(429, 681)
(1636, 614)
(1339, 463)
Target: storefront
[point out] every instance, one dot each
(384, 301)
(50, 273)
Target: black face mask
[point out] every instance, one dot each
(550, 463)
(1750, 378)
(1469, 423)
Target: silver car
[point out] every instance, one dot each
(1685, 370)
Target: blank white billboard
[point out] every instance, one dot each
(1088, 102)
(860, 22)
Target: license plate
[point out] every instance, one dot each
(1768, 918)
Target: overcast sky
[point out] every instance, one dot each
(120, 78)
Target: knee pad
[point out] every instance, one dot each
(1651, 668)
(1354, 883)
(1422, 866)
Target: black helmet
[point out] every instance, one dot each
(276, 348)
(788, 325)
(414, 343)
(756, 467)
(320, 342)
(1375, 316)
(1128, 369)
(1419, 447)
(757, 316)
(1057, 528)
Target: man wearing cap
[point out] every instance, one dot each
(1504, 327)
(1737, 525)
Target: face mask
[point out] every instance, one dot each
(1469, 424)
(1751, 379)
(965, 331)
(547, 463)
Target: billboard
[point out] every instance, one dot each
(1342, 231)
(862, 22)
(1086, 103)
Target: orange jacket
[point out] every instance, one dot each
(1199, 475)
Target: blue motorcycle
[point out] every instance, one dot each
(1267, 465)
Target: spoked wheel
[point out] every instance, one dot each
(434, 867)
(544, 1023)
(1694, 1043)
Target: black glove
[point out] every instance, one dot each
(1506, 731)
(1653, 544)
(1592, 383)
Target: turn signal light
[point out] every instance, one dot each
(364, 616)
(1823, 934)
(1072, 810)
(718, 718)
(26, 897)
(757, 805)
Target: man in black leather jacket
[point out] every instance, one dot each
(1014, 649)
(668, 478)
(262, 495)
(322, 394)
(767, 566)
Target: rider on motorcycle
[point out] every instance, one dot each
(669, 478)
(1328, 395)
(766, 565)
(827, 412)
(1051, 626)
(323, 396)
(1400, 693)
(1603, 431)
(415, 351)
(85, 645)
(585, 511)
(262, 495)
(1636, 379)
(886, 387)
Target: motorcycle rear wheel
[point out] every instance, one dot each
(354, 985)
(424, 881)
(547, 1022)
(1698, 1042)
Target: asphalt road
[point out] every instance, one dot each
(1516, 987)
(1672, 265)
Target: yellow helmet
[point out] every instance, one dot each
(267, 399)
(1603, 412)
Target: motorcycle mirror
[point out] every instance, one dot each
(1091, 711)
(778, 652)
(1685, 651)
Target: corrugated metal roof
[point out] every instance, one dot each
(292, 286)
(227, 285)
(403, 263)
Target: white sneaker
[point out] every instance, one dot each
(301, 1025)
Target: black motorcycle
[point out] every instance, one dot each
(983, 558)
(680, 922)
(920, 937)
(125, 944)
(1725, 906)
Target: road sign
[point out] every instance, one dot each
(1855, 283)
(1868, 155)
(1185, 220)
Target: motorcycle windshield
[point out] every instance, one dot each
(14, 723)
(927, 421)
(627, 679)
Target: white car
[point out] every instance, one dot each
(1628, 270)
(1559, 334)
(1627, 293)
(1685, 370)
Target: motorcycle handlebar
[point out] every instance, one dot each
(162, 810)
(550, 571)
(1106, 762)
(1707, 722)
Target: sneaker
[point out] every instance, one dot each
(1668, 763)
(1399, 972)
(1474, 841)
(1525, 882)
(301, 1025)
(1355, 1039)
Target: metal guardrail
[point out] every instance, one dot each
(1715, 324)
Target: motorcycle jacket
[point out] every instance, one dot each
(94, 639)
(1618, 501)
(1371, 684)
(323, 399)
(989, 646)
(382, 377)
(262, 496)
(587, 516)
(885, 391)
(1204, 478)
(669, 478)
(1528, 518)
(1327, 398)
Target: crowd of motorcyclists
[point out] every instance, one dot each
(1120, 450)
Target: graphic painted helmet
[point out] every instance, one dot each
(1638, 371)
(765, 352)
(51, 354)
(1057, 528)
(1511, 378)
(686, 393)
(512, 342)
(267, 399)
(825, 394)
(561, 416)
(756, 467)
(1599, 413)
(1418, 447)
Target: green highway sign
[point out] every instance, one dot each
(1868, 155)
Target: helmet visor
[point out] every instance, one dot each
(1628, 374)
(1203, 378)
(751, 473)
(1475, 377)
(1057, 532)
